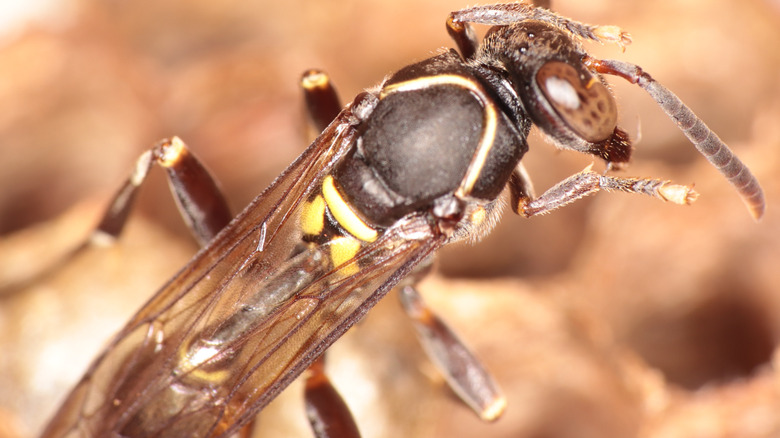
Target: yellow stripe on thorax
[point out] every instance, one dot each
(313, 216)
(343, 213)
(342, 250)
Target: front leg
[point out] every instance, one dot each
(506, 14)
(197, 195)
(588, 182)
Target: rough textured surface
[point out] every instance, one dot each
(617, 316)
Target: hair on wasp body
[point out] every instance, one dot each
(363, 207)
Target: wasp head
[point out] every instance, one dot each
(570, 103)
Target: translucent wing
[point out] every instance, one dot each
(242, 319)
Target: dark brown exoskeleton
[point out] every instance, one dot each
(410, 166)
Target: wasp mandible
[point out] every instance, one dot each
(419, 162)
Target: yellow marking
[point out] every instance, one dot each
(676, 193)
(101, 239)
(521, 204)
(427, 81)
(190, 362)
(313, 216)
(613, 34)
(490, 121)
(141, 168)
(214, 377)
(480, 156)
(342, 250)
(344, 214)
(478, 216)
(172, 152)
(494, 409)
(314, 79)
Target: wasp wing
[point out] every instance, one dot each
(242, 319)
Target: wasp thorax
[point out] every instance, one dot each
(584, 104)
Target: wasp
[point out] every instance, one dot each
(419, 162)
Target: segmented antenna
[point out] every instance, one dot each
(702, 137)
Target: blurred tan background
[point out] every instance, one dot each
(618, 316)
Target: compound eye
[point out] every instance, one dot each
(588, 108)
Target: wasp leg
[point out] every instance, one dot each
(521, 189)
(328, 415)
(248, 430)
(465, 38)
(588, 182)
(198, 198)
(322, 100)
(463, 35)
(326, 410)
(703, 138)
(506, 14)
(462, 370)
